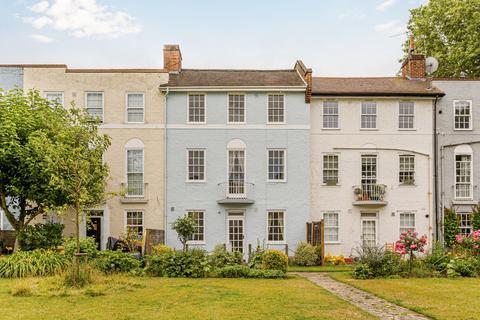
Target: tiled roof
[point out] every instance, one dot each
(235, 78)
(389, 86)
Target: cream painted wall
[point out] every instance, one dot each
(387, 142)
(115, 86)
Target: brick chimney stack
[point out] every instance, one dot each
(306, 74)
(172, 58)
(414, 65)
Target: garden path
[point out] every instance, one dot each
(363, 300)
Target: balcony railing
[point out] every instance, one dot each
(231, 192)
(370, 194)
(134, 194)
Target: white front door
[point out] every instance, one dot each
(369, 229)
(236, 230)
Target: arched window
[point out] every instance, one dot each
(463, 172)
(134, 167)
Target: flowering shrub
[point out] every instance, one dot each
(470, 243)
(410, 244)
(334, 260)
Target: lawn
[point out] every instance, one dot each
(122, 297)
(439, 298)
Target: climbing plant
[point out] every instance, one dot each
(451, 226)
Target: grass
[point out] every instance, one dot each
(327, 268)
(439, 298)
(123, 297)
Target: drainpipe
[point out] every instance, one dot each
(165, 140)
(435, 171)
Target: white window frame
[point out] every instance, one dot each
(400, 115)
(204, 104)
(461, 215)
(455, 176)
(127, 107)
(103, 103)
(368, 114)
(470, 123)
(244, 107)
(284, 107)
(125, 220)
(400, 156)
(284, 165)
(62, 100)
(400, 227)
(332, 227)
(337, 115)
(143, 172)
(323, 168)
(196, 242)
(187, 163)
(372, 216)
(284, 212)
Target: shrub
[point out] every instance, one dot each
(41, 236)
(220, 257)
(266, 274)
(190, 263)
(451, 227)
(470, 243)
(87, 245)
(381, 262)
(274, 260)
(237, 271)
(32, 263)
(161, 249)
(185, 228)
(255, 259)
(334, 260)
(116, 261)
(362, 271)
(461, 267)
(438, 258)
(305, 255)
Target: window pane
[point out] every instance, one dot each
(135, 172)
(196, 165)
(276, 225)
(198, 217)
(407, 221)
(236, 108)
(276, 108)
(369, 115)
(462, 114)
(330, 114)
(330, 220)
(95, 104)
(407, 169)
(330, 169)
(135, 223)
(55, 96)
(196, 108)
(276, 164)
(406, 115)
(135, 107)
(463, 176)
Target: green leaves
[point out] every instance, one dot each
(450, 31)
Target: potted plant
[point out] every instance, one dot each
(358, 193)
(331, 182)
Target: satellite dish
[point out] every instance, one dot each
(431, 65)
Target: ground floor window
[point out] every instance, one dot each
(330, 220)
(407, 221)
(199, 218)
(276, 226)
(465, 220)
(134, 223)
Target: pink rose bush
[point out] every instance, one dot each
(410, 244)
(470, 242)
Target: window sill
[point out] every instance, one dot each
(276, 181)
(275, 123)
(368, 129)
(277, 242)
(407, 185)
(466, 202)
(331, 185)
(196, 181)
(331, 129)
(196, 243)
(407, 129)
(236, 123)
(463, 129)
(333, 242)
(196, 122)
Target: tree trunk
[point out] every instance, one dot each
(16, 246)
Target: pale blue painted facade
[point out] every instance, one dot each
(10, 78)
(291, 197)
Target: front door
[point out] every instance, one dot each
(94, 229)
(369, 229)
(236, 230)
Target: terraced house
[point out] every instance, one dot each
(372, 157)
(458, 134)
(131, 109)
(237, 154)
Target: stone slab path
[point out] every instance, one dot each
(365, 301)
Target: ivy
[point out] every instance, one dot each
(451, 226)
(476, 217)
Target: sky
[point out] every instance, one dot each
(333, 37)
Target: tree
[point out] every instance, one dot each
(451, 226)
(77, 167)
(450, 31)
(185, 228)
(28, 127)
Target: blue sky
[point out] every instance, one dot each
(335, 37)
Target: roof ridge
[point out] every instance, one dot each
(242, 70)
(358, 78)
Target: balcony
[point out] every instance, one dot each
(134, 194)
(372, 195)
(235, 192)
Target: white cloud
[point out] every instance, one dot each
(41, 38)
(391, 28)
(385, 4)
(82, 18)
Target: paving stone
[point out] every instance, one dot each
(364, 300)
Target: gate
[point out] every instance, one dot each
(315, 236)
